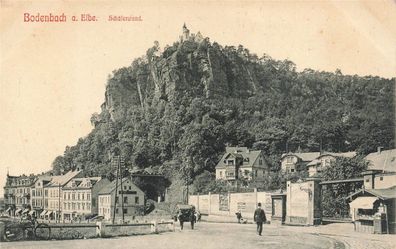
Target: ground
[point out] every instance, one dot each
(208, 235)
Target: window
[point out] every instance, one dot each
(136, 199)
(82, 196)
(130, 188)
(116, 200)
(116, 211)
(291, 170)
(381, 178)
(83, 206)
(125, 187)
(230, 162)
(246, 172)
(126, 199)
(88, 196)
(221, 173)
(125, 211)
(261, 162)
(289, 159)
(367, 180)
(78, 196)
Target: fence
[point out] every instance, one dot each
(100, 229)
(227, 204)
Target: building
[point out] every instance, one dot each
(324, 160)
(241, 163)
(376, 202)
(80, 197)
(295, 162)
(128, 200)
(53, 194)
(37, 201)
(17, 194)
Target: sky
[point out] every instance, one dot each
(53, 75)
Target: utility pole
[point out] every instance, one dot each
(115, 198)
(120, 167)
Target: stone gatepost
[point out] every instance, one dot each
(100, 229)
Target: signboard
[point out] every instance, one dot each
(241, 206)
(223, 202)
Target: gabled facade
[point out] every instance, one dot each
(80, 197)
(295, 162)
(241, 163)
(130, 200)
(38, 202)
(53, 193)
(324, 160)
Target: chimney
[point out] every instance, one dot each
(379, 148)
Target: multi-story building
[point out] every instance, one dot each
(241, 163)
(17, 194)
(80, 197)
(128, 200)
(324, 160)
(53, 194)
(37, 201)
(294, 162)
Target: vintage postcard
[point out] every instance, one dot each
(197, 124)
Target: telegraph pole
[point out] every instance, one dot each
(120, 166)
(115, 199)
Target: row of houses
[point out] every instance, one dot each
(243, 163)
(71, 196)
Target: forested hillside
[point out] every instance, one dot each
(175, 109)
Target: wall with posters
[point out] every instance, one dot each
(228, 204)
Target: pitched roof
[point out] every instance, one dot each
(83, 182)
(61, 180)
(384, 160)
(304, 156)
(316, 161)
(107, 189)
(240, 152)
(384, 194)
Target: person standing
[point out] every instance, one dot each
(192, 218)
(259, 218)
(239, 216)
(181, 219)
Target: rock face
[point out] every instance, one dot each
(192, 67)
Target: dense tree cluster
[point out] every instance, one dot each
(174, 112)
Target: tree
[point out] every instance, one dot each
(333, 196)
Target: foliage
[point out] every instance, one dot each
(333, 196)
(186, 104)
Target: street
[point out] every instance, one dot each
(206, 235)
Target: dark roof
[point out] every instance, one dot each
(240, 152)
(304, 156)
(107, 189)
(384, 160)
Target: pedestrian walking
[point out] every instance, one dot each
(259, 218)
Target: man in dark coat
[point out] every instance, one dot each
(259, 218)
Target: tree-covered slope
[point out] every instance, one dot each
(174, 110)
